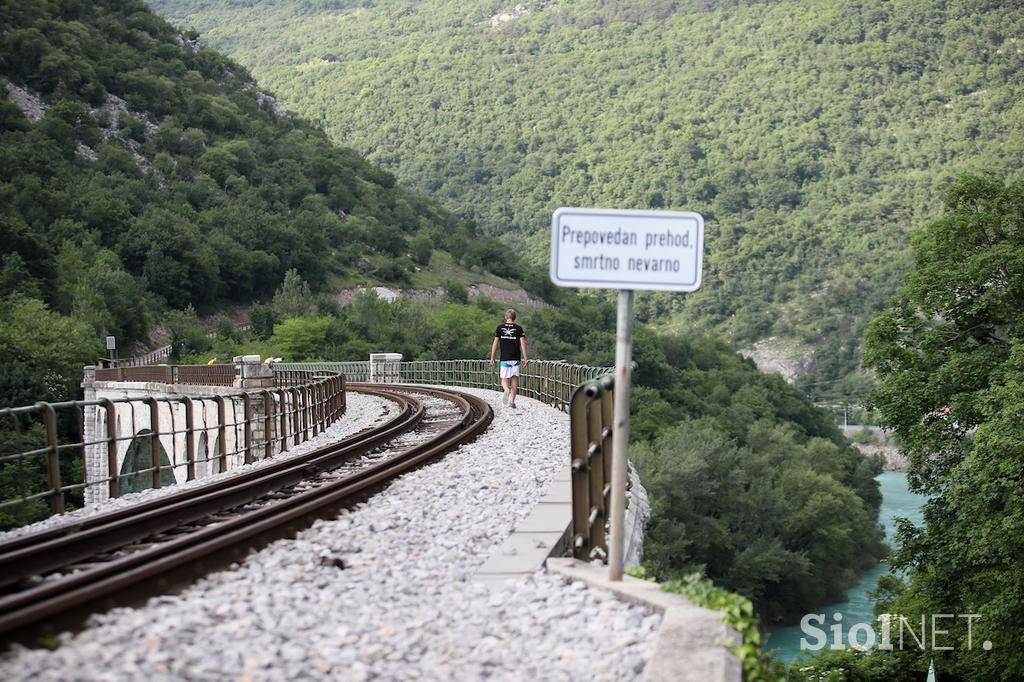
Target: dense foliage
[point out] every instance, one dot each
(158, 176)
(143, 178)
(950, 351)
(754, 488)
(158, 181)
(812, 135)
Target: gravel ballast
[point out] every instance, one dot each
(383, 591)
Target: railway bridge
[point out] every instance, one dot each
(463, 568)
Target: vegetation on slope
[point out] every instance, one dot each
(812, 135)
(159, 181)
(157, 176)
(950, 351)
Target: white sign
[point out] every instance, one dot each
(111, 343)
(627, 249)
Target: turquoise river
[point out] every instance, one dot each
(897, 501)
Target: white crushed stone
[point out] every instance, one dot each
(401, 605)
(361, 412)
(30, 103)
(86, 152)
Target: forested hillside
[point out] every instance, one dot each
(811, 135)
(144, 177)
(141, 173)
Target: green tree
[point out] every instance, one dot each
(44, 352)
(293, 298)
(460, 332)
(754, 515)
(300, 339)
(952, 323)
(263, 318)
(420, 248)
(187, 336)
(455, 293)
(110, 300)
(950, 355)
(170, 253)
(23, 477)
(16, 279)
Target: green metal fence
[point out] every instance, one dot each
(550, 381)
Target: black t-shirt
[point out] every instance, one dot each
(508, 335)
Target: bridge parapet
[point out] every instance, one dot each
(246, 372)
(154, 425)
(148, 427)
(184, 375)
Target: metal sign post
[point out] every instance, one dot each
(625, 250)
(620, 432)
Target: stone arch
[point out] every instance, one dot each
(212, 455)
(139, 457)
(207, 459)
(215, 457)
(202, 456)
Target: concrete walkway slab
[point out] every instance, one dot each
(543, 533)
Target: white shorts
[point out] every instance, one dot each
(509, 369)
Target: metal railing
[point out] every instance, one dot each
(585, 392)
(550, 381)
(88, 450)
(153, 357)
(51, 453)
(591, 421)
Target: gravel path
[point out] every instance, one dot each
(361, 412)
(383, 591)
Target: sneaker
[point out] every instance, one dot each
(513, 406)
(505, 398)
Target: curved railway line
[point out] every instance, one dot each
(55, 578)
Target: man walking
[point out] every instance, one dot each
(511, 338)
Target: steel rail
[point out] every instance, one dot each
(162, 564)
(37, 553)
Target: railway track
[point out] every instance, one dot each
(54, 579)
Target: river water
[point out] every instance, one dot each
(897, 501)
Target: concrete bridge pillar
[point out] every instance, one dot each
(251, 374)
(385, 368)
(96, 455)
